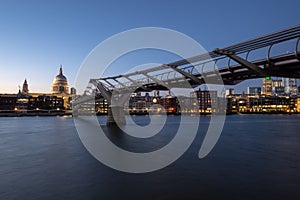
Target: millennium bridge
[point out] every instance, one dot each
(237, 65)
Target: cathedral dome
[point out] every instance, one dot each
(60, 84)
(60, 79)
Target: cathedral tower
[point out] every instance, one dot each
(25, 89)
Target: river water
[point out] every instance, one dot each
(256, 157)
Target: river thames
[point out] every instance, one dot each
(256, 157)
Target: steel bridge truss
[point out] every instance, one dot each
(205, 68)
(229, 65)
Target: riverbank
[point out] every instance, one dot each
(69, 113)
(24, 114)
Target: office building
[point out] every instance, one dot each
(254, 90)
(266, 86)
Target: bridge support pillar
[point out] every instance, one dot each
(116, 116)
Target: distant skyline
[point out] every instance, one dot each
(38, 36)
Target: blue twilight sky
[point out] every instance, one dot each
(36, 37)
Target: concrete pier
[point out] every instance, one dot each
(116, 116)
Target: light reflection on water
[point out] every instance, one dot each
(257, 156)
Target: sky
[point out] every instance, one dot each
(37, 37)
